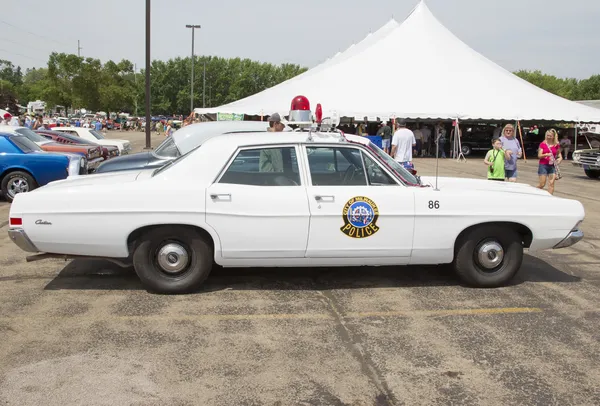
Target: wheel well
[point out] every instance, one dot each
(136, 234)
(11, 170)
(523, 231)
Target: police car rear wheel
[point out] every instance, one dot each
(172, 259)
(488, 256)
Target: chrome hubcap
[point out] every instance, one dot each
(490, 254)
(17, 185)
(173, 258)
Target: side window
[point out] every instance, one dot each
(336, 166)
(264, 167)
(377, 176)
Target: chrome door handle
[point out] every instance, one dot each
(220, 195)
(320, 198)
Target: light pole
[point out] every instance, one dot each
(193, 27)
(147, 101)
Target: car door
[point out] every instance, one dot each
(258, 206)
(356, 208)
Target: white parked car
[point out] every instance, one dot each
(96, 136)
(180, 143)
(290, 199)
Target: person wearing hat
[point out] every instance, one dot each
(5, 119)
(275, 124)
(385, 132)
(271, 160)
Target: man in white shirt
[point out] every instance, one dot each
(403, 143)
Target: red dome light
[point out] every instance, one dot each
(300, 103)
(319, 113)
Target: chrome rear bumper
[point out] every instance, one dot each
(574, 237)
(18, 236)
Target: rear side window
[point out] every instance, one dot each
(167, 149)
(24, 144)
(264, 167)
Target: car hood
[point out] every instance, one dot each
(467, 184)
(131, 162)
(110, 141)
(70, 155)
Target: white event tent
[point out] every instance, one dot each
(450, 81)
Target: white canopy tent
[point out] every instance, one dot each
(450, 81)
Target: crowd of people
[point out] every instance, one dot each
(421, 140)
(402, 143)
(501, 160)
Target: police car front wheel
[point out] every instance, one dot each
(488, 256)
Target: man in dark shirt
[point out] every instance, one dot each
(385, 132)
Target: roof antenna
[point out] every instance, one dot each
(437, 156)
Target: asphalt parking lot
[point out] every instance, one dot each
(85, 332)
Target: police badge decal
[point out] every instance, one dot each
(360, 217)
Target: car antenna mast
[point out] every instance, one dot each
(437, 156)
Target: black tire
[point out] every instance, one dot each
(466, 150)
(592, 173)
(473, 272)
(147, 264)
(8, 186)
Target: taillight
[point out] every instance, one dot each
(16, 221)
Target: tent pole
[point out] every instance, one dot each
(576, 131)
(459, 153)
(521, 137)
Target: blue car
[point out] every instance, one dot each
(24, 166)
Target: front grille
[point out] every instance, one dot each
(589, 158)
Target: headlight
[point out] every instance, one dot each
(82, 163)
(75, 164)
(576, 156)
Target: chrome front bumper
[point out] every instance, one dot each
(18, 236)
(574, 237)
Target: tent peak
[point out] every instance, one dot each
(421, 7)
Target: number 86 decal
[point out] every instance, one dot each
(434, 204)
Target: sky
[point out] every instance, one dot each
(559, 37)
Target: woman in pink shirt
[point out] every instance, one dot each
(549, 153)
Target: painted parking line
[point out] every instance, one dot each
(287, 316)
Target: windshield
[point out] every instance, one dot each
(31, 135)
(24, 143)
(392, 164)
(97, 134)
(167, 149)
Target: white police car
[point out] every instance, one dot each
(308, 197)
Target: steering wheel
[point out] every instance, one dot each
(349, 174)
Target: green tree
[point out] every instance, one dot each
(77, 82)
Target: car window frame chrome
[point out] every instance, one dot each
(240, 148)
(362, 149)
